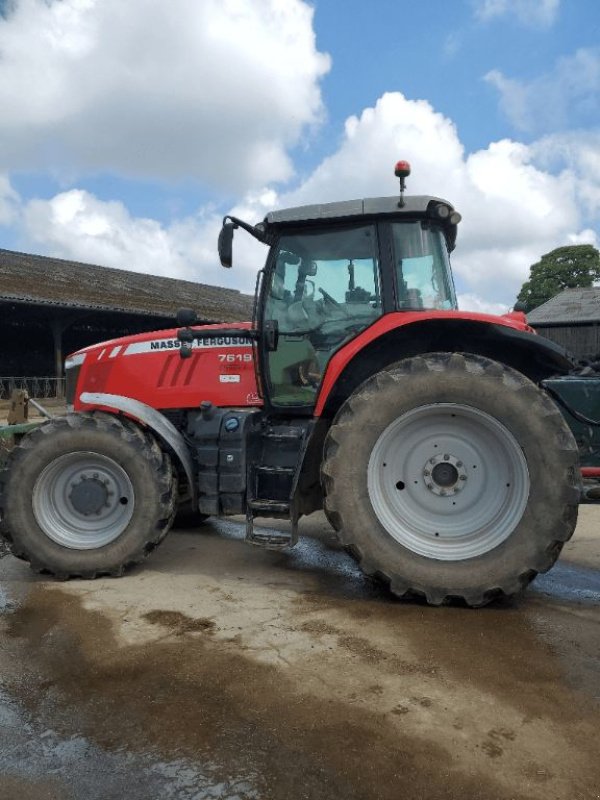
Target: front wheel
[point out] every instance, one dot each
(452, 476)
(87, 495)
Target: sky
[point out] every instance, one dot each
(127, 130)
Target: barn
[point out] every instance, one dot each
(572, 320)
(50, 307)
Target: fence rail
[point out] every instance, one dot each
(36, 387)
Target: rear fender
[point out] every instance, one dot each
(153, 419)
(377, 347)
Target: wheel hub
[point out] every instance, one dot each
(83, 500)
(444, 475)
(89, 496)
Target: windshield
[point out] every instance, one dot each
(422, 266)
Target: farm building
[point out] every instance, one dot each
(50, 307)
(572, 320)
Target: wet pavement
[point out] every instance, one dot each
(218, 670)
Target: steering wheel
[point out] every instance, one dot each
(333, 301)
(330, 299)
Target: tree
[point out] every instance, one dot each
(576, 265)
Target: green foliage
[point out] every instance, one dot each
(576, 265)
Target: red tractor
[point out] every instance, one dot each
(431, 437)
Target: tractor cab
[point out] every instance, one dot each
(333, 270)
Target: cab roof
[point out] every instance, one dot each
(414, 205)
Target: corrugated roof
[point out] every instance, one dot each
(570, 306)
(71, 284)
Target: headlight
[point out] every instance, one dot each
(72, 370)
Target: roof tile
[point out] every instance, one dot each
(71, 284)
(570, 306)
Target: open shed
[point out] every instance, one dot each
(50, 307)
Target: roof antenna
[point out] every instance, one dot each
(402, 171)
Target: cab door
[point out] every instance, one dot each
(323, 287)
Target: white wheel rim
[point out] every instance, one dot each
(83, 500)
(448, 481)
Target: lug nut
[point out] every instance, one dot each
(459, 463)
(462, 477)
(427, 473)
(446, 457)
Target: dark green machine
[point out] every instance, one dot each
(579, 399)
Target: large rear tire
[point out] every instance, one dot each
(452, 476)
(87, 495)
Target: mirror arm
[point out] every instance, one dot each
(253, 230)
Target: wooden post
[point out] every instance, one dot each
(17, 414)
(57, 326)
(59, 322)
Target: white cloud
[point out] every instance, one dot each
(513, 209)
(77, 225)
(9, 202)
(217, 90)
(579, 153)
(532, 13)
(563, 97)
(586, 236)
(452, 44)
(472, 302)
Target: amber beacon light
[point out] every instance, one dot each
(402, 171)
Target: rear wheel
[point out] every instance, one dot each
(452, 476)
(87, 495)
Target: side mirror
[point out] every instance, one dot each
(226, 243)
(520, 306)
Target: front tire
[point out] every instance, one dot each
(452, 476)
(87, 495)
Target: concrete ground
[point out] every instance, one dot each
(217, 670)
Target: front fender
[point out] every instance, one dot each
(154, 420)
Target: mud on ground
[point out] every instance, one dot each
(218, 670)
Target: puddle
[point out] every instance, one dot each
(570, 583)
(191, 700)
(80, 769)
(6, 604)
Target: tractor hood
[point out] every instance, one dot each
(148, 367)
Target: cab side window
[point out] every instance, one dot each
(422, 268)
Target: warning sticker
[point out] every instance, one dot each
(229, 378)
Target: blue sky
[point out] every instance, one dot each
(129, 129)
(441, 51)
